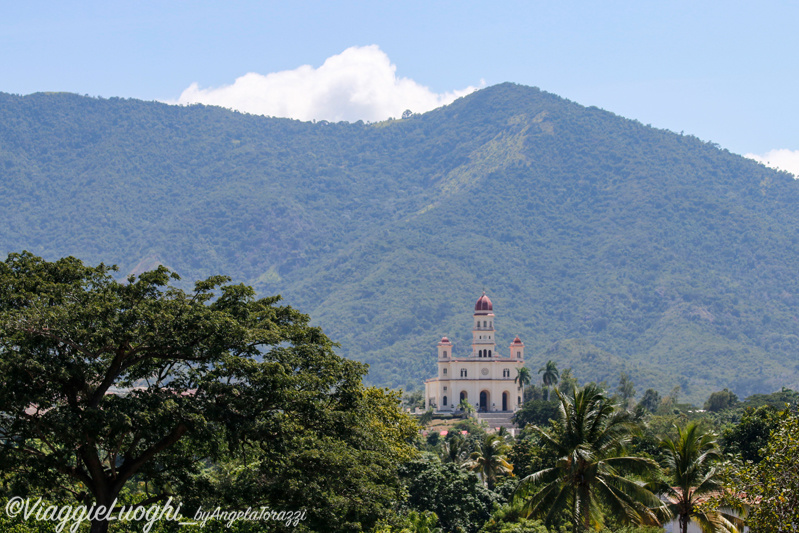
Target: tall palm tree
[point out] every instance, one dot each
(692, 478)
(523, 378)
(588, 440)
(454, 450)
(550, 376)
(490, 459)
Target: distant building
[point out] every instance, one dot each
(483, 377)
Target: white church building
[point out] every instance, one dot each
(482, 376)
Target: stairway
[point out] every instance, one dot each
(497, 420)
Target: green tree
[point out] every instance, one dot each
(770, 488)
(691, 480)
(720, 400)
(466, 407)
(749, 437)
(454, 449)
(550, 375)
(650, 401)
(626, 388)
(536, 412)
(567, 381)
(107, 382)
(588, 439)
(523, 377)
(490, 459)
(455, 495)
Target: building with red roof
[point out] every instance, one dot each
(482, 376)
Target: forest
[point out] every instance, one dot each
(138, 392)
(607, 245)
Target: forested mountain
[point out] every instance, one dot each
(606, 245)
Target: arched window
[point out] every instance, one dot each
(445, 353)
(480, 353)
(445, 371)
(489, 353)
(518, 355)
(484, 324)
(444, 401)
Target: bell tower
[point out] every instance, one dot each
(483, 334)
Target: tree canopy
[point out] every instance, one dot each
(106, 381)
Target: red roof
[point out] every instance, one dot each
(517, 340)
(483, 304)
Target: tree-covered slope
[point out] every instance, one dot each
(605, 244)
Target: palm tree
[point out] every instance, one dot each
(588, 440)
(466, 407)
(523, 378)
(550, 376)
(490, 459)
(692, 479)
(453, 450)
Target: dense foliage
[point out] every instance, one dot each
(213, 394)
(605, 244)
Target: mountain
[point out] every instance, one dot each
(606, 245)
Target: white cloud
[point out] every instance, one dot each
(780, 159)
(358, 84)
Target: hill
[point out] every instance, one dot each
(605, 244)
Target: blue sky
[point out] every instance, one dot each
(726, 72)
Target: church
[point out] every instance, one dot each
(483, 377)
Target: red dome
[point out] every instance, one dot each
(444, 340)
(483, 304)
(517, 340)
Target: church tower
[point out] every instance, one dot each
(483, 334)
(482, 377)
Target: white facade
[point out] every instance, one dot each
(484, 377)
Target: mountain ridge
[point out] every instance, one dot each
(657, 248)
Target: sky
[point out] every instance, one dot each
(726, 72)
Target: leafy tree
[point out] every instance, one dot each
(536, 412)
(748, 438)
(490, 459)
(588, 439)
(412, 522)
(723, 399)
(692, 479)
(456, 496)
(626, 388)
(106, 382)
(770, 488)
(527, 455)
(414, 400)
(523, 377)
(650, 401)
(567, 381)
(550, 375)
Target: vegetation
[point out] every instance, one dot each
(523, 378)
(692, 479)
(549, 376)
(771, 487)
(588, 440)
(490, 459)
(107, 385)
(586, 460)
(613, 246)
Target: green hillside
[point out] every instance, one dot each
(605, 244)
